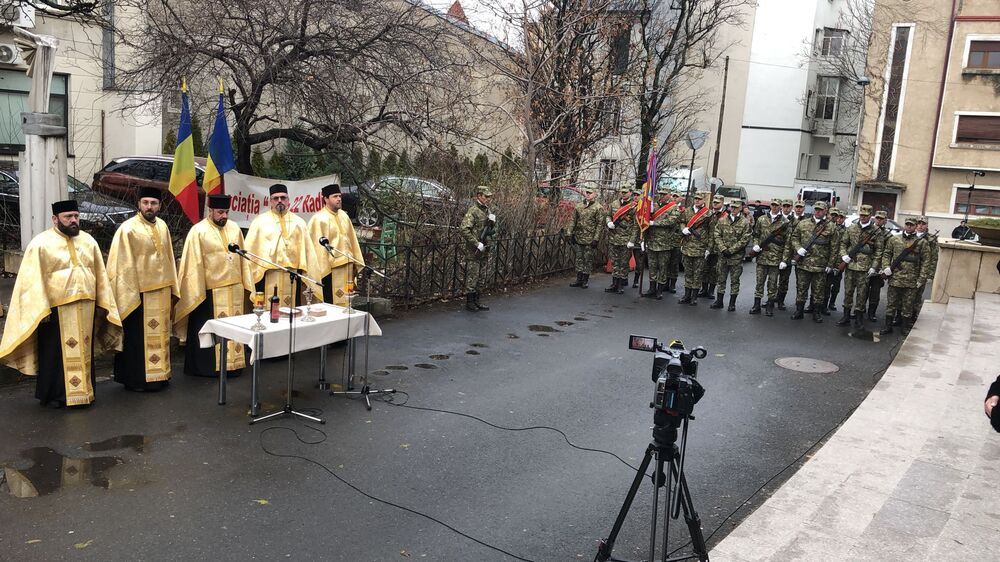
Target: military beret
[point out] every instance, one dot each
(485, 190)
(921, 219)
(910, 220)
(67, 206)
(865, 210)
(820, 206)
(881, 215)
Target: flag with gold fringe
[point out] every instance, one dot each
(183, 183)
(220, 150)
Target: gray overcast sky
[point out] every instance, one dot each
(482, 14)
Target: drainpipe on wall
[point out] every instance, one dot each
(940, 102)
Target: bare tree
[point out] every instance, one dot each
(81, 9)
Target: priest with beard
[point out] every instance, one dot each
(143, 278)
(213, 284)
(279, 236)
(333, 268)
(62, 311)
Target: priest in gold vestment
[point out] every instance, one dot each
(143, 278)
(279, 236)
(213, 284)
(62, 311)
(333, 268)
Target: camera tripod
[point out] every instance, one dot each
(678, 498)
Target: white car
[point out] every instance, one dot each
(893, 226)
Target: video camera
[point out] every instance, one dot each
(675, 372)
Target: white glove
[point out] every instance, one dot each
(480, 246)
(846, 259)
(887, 271)
(707, 253)
(828, 270)
(802, 252)
(686, 231)
(652, 223)
(629, 245)
(871, 271)
(756, 249)
(492, 217)
(611, 225)
(782, 265)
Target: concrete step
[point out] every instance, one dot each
(882, 486)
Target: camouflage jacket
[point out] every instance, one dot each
(731, 236)
(475, 228)
(793, 222)
(869, 255)
(700, 239)
(626, 229)
(763, 228)
(664, 232)
(821, 254)
(914, 269)
(588, 217)
(932, 246)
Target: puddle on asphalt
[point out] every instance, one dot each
(380, 372)
(472, 352)
(480, 344)
(51, 471)
(563, 323)
(135, 442)
(542, 328)
(396, 367)
(439, 357)
(513, 336)
(425, 366)
(580, 319)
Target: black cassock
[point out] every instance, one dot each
(200, 361)
(130, 363)
(50, 384)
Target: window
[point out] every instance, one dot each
(833, 42)
(824, 162)
(984, 54)
(978, 129)
(619, 53)
(613, 113)
(827, 88)
(607, 172)
(984, 202)
(14, 88)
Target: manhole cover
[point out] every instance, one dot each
(806, 365)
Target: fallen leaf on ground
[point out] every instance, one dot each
(34, 541)
(405, 553)
(262, 502)
(83, 545)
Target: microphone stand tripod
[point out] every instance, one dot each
(293, 275)
(363, 275)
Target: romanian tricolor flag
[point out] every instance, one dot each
(220, 151)
(645, 204)
(183, 184)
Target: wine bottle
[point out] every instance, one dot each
(275, 301)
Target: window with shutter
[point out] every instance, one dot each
(984, 54)
(978, 129)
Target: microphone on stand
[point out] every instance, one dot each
(235, 248)
(324, 241)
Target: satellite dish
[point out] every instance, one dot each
(696, 139)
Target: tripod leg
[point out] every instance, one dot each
(658, 481)
(667, 508)
(608, 544)
(692, 519)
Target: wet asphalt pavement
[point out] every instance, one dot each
(172, 475)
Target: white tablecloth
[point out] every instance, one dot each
(336, 326)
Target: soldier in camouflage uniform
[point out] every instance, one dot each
(711, 272)
(770, 234)
(623, 236)
(696, 228)
(674, 264)
(863, 238)
(662, 238)
(793, 216)
(731, 236)
(932, 247)
(907, 264)
(477, 228)
(812, 263)
(835, 277)
(584, 232)
(876, 283)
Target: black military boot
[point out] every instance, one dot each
(718, 300)
(651, 293)
(672, 285)
(470, 302)
(694, 298)
(755, 309)
(659, 291)
(579, 280)
(479, 305)
(818, 314)
(704, 292)
(614, 286)
(872, 308)
(811, 307)
(635, 279)
(585, 282)
(732, 303)
(711, 289)
(797, 315)
(907, 325)
(769, 311)
(887, 328)
(686, 298)
(846, 318)
(781, 300)
(859, 319)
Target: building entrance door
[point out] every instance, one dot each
(881, 201)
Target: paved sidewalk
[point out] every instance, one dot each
(914, 474)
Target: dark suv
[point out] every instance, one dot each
(123, 177)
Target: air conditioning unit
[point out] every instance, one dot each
(18, 15)
(9, 54)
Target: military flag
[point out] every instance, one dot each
(183, 183)
(220, 150)
(645, 204)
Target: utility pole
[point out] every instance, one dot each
(718, 132)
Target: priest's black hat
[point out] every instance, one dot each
(278, 188)
(150, 192)
(331, 189)
(67, 206)
(219, 201)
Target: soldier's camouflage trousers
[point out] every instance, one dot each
(584, 258)
(693, 269)
(783, 276)
(711, 272)
(674, 264)
(805, 280)
(619, 260)
(855, 290)
(918, 300)
(900, 299)
(474, 265)
(659, 263)
(731, 268)
(768, 274)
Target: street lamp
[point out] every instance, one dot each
(968, 200)
(695, 140)
(852, 199)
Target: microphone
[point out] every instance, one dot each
(324, 241)
(235, 248)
